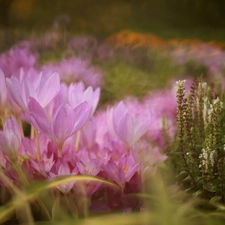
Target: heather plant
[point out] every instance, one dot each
(198, 155)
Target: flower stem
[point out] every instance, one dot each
(21, 197)
(77, 140)
(38, 146)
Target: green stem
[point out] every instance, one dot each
(26, 183)
(21, 196)
(20, 125)
(38, 146)
(77, 140)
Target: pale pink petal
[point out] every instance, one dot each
(48, 88)
(3, 89)
(10, 138)
(27, 90)
(81, 114)
(126, 129)
(14, 90)
(63, 123)
(38, 117)
(141, 126)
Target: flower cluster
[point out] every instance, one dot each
(67, 137)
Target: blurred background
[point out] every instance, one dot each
(200, 19)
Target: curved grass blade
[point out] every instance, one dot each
(33, 190)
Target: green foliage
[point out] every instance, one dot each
(192, 68)
(164, 205)
(32, 193)
(123, 79)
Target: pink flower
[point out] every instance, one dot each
(78, 94)
(45, 165)
(123, 171)
(10, 138)
(3, 90)
(91, 168)
(65, 120)
(126, 127)
(88, 134)
(64, 170)
(41, 87)
(16, 59)
(76, 69)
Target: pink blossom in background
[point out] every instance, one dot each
(75, 70)
(16, 59)
(162, 104)
(49, 41)
(105, 52)
(83, 46)
(211, 57)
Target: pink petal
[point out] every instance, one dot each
(10, 138)
(81, 114)
(126, 129)
(48, 88)
(38, 117)
(14, 90)
(27, 90)
(3, 89)
(140, 127)
(63, 123)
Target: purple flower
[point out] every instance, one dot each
(10, 138)
(41, 87)
(65, 120)
(63, 169)
(16, 59)
(127, 128)
(3, 91)
(76, 69)
(78, 94)
(44, 166)
(122, 171)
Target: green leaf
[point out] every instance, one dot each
(209, 187)
(215, 199)
(34, 189)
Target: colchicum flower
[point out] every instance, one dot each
(126, 127)
(10, 138)
(42, 87)
(65, 121)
